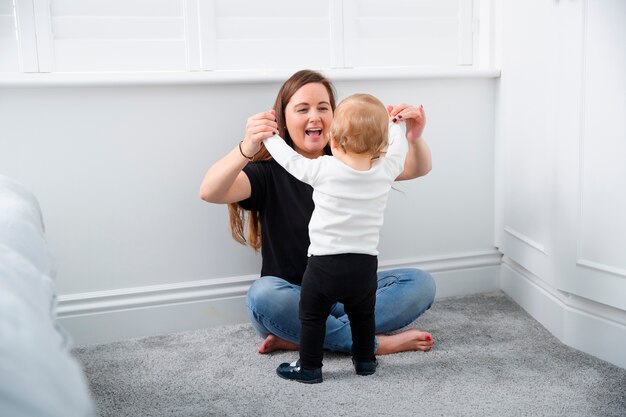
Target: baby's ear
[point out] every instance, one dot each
(333, 142)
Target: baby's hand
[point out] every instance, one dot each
(415, 119)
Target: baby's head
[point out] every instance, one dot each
(360, 125)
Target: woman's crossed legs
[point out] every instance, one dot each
(402, 296)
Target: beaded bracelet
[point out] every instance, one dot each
(249, 158)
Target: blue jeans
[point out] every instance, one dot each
(401, 297)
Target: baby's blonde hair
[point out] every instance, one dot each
(361, 125)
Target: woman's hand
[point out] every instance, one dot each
(260, 126)
(414, 117)
(418, 160)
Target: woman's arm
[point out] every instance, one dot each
(225, 182)
(418, 160)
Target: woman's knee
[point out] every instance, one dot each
(425, 284)
(268, 295)
(273, 307)
(264, 288)
(415, 280)
(417, 290)
(259, 290)
(257, 298)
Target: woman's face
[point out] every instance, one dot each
(308, 117)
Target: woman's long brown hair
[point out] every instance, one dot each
(237, 214)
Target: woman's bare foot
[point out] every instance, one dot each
(408, 340)
(272, 343)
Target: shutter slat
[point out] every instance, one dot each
(117, 28)
(236, 54)
(127, 55)
(112, 8)
(273, 28)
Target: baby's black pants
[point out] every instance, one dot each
(346, 278)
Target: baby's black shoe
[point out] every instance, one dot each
(294, 372)
(365, 368)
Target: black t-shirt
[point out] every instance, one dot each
(285, 205)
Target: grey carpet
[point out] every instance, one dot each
(491, 359)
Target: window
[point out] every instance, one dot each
(208, 35)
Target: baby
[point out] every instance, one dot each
(350, 191)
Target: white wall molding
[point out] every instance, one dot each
(458, 273)
(526, 251)
(107, 316)
(443, 263)
(525, 239)
(16, 80)
(601, 267)
(591, 327)
(138, 297)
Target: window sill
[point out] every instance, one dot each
(14, 80)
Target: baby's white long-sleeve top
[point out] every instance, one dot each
(349, 204)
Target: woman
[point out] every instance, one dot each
(279, 208)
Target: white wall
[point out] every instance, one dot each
(117, 172)
(561, 190)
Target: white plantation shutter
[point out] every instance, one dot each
(207, 35)
(116, 35)
(272, 34)
(407, 32)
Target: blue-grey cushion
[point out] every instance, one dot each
(38, 376)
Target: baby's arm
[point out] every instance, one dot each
(304, 169)
(398, 147)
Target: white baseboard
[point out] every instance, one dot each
(457, 274)
(583, 324)
(108, 316)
